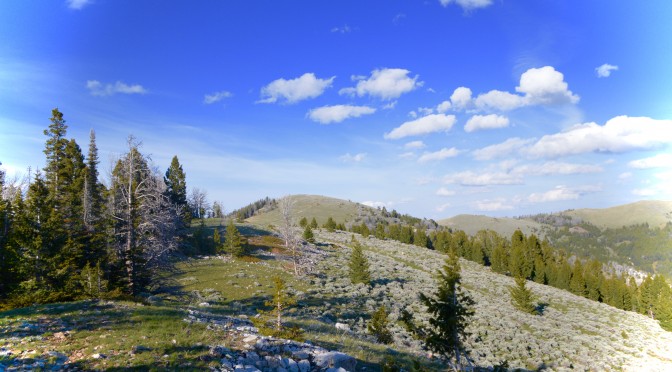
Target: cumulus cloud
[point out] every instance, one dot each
(478, 122)
(425, 125)
(657, 161)
(645, 192)
(96, 88)
(493, 205)
(216, 97)
(415, 145)
(77, 4)
(620, 134)
(469, 178)
(353, 158)
(294, 90)
(461, 98)
(560, 193)
(445, 192)
(443, 107)
(537, 86)
(442, 154)
(467, 5)
(507, 147)
(605, 70)
(338, 113)
(386, 84)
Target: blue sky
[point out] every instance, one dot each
(432, 108)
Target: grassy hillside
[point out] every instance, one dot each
(309, 206)
(185, 325)
(655, 213)
(504, 226)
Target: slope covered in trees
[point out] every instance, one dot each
(66, 236)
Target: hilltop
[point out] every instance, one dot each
(319, 207)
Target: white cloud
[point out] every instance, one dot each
(501, 149)
(415, 145)
(554, 167)
(376, 204)
(539, 86)
(443, 107)
(407, 155)
(294, 90)
(605, 70)
(338, 113)
(619, 134)
(342, 30)
(560, 193)
(469, 178)
(499, 100)
(545, 85)
(657, 161)
(467, 5)
(386, 84)
(353, 158)
(425, 110)
(425, 125)
(461, 98)
(96, 88)
(493, 205)
(389, 106)
(77, 4)
(442, 207)
(645, 192)
(492, 121)
(439, 155)
(216, 97)
(625, 175)
(445, 192)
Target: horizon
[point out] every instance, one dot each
(434, 110)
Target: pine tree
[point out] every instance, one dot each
(499, 262)
(217, 240)
(233, 243)
(303, 222)
(449, 309)
(578, 283)
(313, 223)
(359, 265)
(522, 297)
(176, 188)
(378, 326)
(330, 225)
(420, 238)
(308, 234)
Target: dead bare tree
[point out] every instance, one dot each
(198, 200)
(146, 221)
(289, 231)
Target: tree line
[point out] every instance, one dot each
(66, 235)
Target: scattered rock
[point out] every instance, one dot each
(343, 327)
(139, 349)
(335, 359)
(99, 356)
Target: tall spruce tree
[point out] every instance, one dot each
(522, 297)
(233, 242)
(176, 188)
(379, 326)
(450, 309)
(358, 265)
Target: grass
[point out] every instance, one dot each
(314, 206)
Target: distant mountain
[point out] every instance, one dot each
(653, 212)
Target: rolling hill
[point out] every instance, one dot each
(320, 207)
(504, 226)
(653, 212)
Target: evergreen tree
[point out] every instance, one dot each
(330, 225)
(522, 297)
(359, 265)
(55, 152)
(499, 262)
(420, 238)
(378, 326)
(233, 243)
(176, 188)
(449, 309)
(308, 234)
(380, 231)
(313, 223)
(93, 205)
(578, 284)
(303, 222)
(217, 240)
